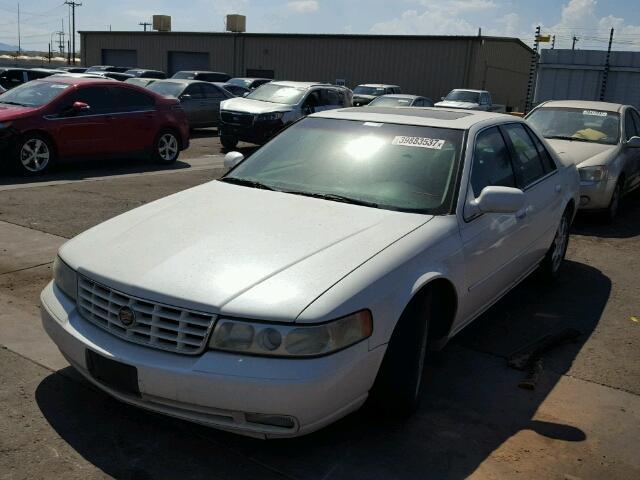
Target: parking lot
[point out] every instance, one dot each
(580, 422)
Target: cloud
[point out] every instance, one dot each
(303, 6)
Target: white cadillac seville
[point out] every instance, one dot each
(316, 273)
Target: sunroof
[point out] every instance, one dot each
(410, 112)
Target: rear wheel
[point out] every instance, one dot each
(229, 141)
(34, 154)
(550, 266)
(396, 391)
(166, 148)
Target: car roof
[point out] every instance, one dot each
(469, 90)
(75, 79)
(201, 71)
(427, 117)
(378, 85)
(251, 78)
(609, 107)
(186, 81)
(287, 83)
(401, 95)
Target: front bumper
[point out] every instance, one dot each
(216, 388)
(596, 195)
(258, 132)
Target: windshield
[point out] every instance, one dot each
(362, 90)
(141, 82)
(391, 102)
(579, 124)
(185, 75)
(273, 93)
(167, 89)
(395, 167)
(241, 82)
(33, 94)
(463, 96)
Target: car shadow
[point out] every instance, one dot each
(625, 225)
(203, 133)
(81, 169)
(471, 405)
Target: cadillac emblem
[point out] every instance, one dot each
(127, 316)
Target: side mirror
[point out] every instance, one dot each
(232, 159)
(442, 98)
(495, 199)
(634, 142)
(185, 96)
(80, 106)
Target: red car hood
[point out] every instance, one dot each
(13, 112)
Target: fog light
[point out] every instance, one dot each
(584, 200)
(272, 420)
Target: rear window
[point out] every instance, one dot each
(167, 89)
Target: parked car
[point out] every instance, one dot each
(200, 100)
(73, 69)
(60, 117)
(250, 83)
(12, 77)
(144, 73)
(363, 94)
(316, 272)
(268, 109)
(236, 90)
(117, 76)
(603, 140)
(401, 100)
(107, 68)
(202, 75)
(467, 99)
(2, 89)
(141, 82)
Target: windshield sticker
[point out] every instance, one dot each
(372, 124)
(594, 113)
(421, 142)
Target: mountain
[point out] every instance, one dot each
(5, 47)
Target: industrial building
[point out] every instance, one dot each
(424, 65)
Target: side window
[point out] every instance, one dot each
(428, 102)
(98, 98)
(211, 91)
(130, 100)
(330, 98)
(313, 99)
(547, 162)
(630, 129)
(526, 161)
(636, 119)
(491, 162)
(195, 91)
(419, 103)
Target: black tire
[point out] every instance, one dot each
(166, 147)
(34, 154)
(396, 390)
(614, 205)
(552, 263)
(229, 142)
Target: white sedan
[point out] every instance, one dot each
(316, 273)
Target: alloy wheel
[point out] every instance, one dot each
(560, 243)
(35, 155)
(168, 147)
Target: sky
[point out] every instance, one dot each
(588, 20)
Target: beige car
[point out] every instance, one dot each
(602, 139)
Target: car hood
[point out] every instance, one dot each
(235, 250)
(455, 104)
(247, 105)
(583, 152)
(13, 112)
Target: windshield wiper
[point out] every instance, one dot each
(15, 103)
(247, 183)
(335, 198)
(564, 137)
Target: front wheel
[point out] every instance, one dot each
(550, 266)
(166, 148)
(228, 141)
(34, 155)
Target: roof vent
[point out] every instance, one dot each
(162, 23)
(236, 23)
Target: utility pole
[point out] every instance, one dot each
(532, 71)
(73, 4)
(145, 25)
(19, 46)
(575, 39)
(605, 73)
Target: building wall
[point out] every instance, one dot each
(429, 66)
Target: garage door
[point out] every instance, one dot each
(120, 58)
(188, 61)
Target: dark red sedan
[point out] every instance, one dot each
(63, 117)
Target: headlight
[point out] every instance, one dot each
(593, 174)
(291, 340)
(265, 117)
(65, 277)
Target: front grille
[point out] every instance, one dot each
(237, 118)
(156, 325)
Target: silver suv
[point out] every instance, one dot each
(363, 94)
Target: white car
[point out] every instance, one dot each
(315, 273)
(467, 99)
(603, 140)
